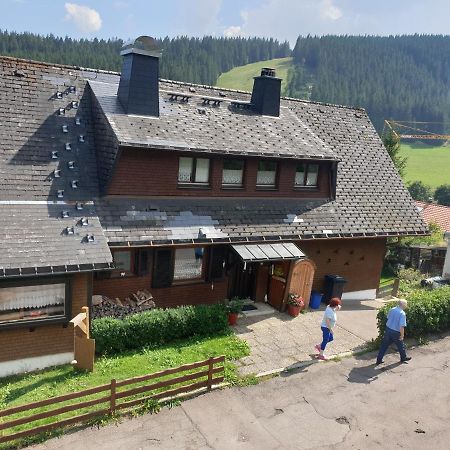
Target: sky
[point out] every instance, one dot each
(281, 19)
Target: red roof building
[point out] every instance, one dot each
(435, 213)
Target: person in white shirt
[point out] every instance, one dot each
(328, 323)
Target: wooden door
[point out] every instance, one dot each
(301, 279)
(277, 287)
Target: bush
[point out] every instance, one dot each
(428, 312)
(157, 327)
(409, 281)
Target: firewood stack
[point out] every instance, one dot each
(103, 306)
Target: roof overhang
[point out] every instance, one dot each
(268, 252)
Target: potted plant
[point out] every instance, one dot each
(234, 307)
(295, 304)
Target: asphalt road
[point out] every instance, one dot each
(330, 405)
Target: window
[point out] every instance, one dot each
(188, 264)
(233, 172)
(306, 175)
(267, 174)
(124, 263)
(32, 303)
(193, 170)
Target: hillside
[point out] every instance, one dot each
(196, 60)
(398, 77)
(431, 165)
(242, 77)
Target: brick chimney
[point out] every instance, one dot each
(139, 87)
(266, 93)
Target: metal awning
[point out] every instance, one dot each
(268, 252)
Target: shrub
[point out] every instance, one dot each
(409, 280)
(428, 312)
(157, 327)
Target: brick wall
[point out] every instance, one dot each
(359, 261)
(149, 172)
(45, 340)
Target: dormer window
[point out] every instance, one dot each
(233, 173)
(267, 174)
(193, 171)
(306, 175)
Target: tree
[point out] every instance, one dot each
(392, 144)
(442, 194)
(420, 191)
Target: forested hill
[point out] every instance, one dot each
(196, 60)
(399, 77)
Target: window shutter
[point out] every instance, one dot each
(142, 264)
(217, 258)
(162, 268)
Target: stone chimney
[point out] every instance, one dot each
(266, 93)
(139, 81)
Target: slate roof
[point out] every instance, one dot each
(31, 128)
(433, 213)
(371, 199)
(197, 127)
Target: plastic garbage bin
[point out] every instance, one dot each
(315, 300)
(334, 287)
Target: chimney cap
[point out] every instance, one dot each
(143, 45)
(267, 72)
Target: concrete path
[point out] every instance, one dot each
(329, 405)
(277, 340)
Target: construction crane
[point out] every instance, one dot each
(403, 131)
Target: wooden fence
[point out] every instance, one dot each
(115, 398)
(390, 289)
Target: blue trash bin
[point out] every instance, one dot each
(315, 300)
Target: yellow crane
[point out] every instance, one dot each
(404, 130)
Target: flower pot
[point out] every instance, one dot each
(294, 311)
(232, 318)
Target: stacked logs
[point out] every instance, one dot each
(103, 306)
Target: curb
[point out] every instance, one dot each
(302, 364)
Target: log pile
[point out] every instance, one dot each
(137, 302)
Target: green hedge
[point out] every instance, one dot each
(156, 327)
(428, 312)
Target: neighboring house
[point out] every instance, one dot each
(197, 193)
(429, 259)
(438, 214)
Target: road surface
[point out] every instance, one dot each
(348, 404)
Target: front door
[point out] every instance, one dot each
(277, 284)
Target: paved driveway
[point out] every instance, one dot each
(278, 340)
(335, 405)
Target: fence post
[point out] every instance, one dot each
(395, 287)
(210, 373)
(112, 404)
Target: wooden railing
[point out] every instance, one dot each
(116, 398)
(389, 289)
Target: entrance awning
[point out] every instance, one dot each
(268, 252)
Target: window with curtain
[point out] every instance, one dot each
(267, 174)
(306, 175)
(25, 303)
(193, 170)
(233, 172)
(188, 264)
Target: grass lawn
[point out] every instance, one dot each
(27, 388)
(242, 77)
(431, 165)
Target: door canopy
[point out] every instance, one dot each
(268, 252)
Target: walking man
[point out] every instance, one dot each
(395, 332)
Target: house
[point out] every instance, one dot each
(438, 214)
(113, 183)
